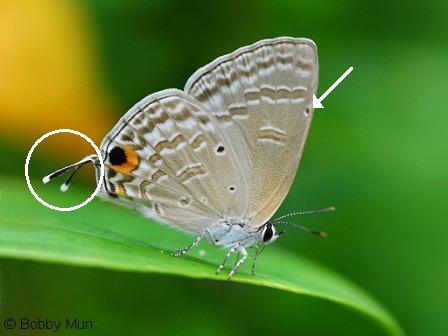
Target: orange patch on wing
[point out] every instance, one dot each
(120, 190)
(130, 164)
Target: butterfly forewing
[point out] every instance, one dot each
(261, 96)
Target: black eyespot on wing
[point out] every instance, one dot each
(117, 156)
(220, 149)
(307, 111)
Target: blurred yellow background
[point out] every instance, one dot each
(50, 73)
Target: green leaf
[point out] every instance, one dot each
(108, 236)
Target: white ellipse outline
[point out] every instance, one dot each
(97, 150)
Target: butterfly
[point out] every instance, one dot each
(217, 159)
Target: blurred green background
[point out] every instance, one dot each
(378, 152)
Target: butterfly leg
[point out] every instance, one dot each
(185, 250)
(235, 248)
(237, 258)
(240, 262)
(231, 251)
(254, 259)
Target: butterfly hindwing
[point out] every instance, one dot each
(168, 158)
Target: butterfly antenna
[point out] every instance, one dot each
(317, 233)
(325, 210)
(77, 165)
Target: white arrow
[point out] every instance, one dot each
(317, 102)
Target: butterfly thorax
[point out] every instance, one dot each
(229, 234)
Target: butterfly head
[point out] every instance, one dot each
(269, 234)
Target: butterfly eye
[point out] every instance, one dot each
(268, 233)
